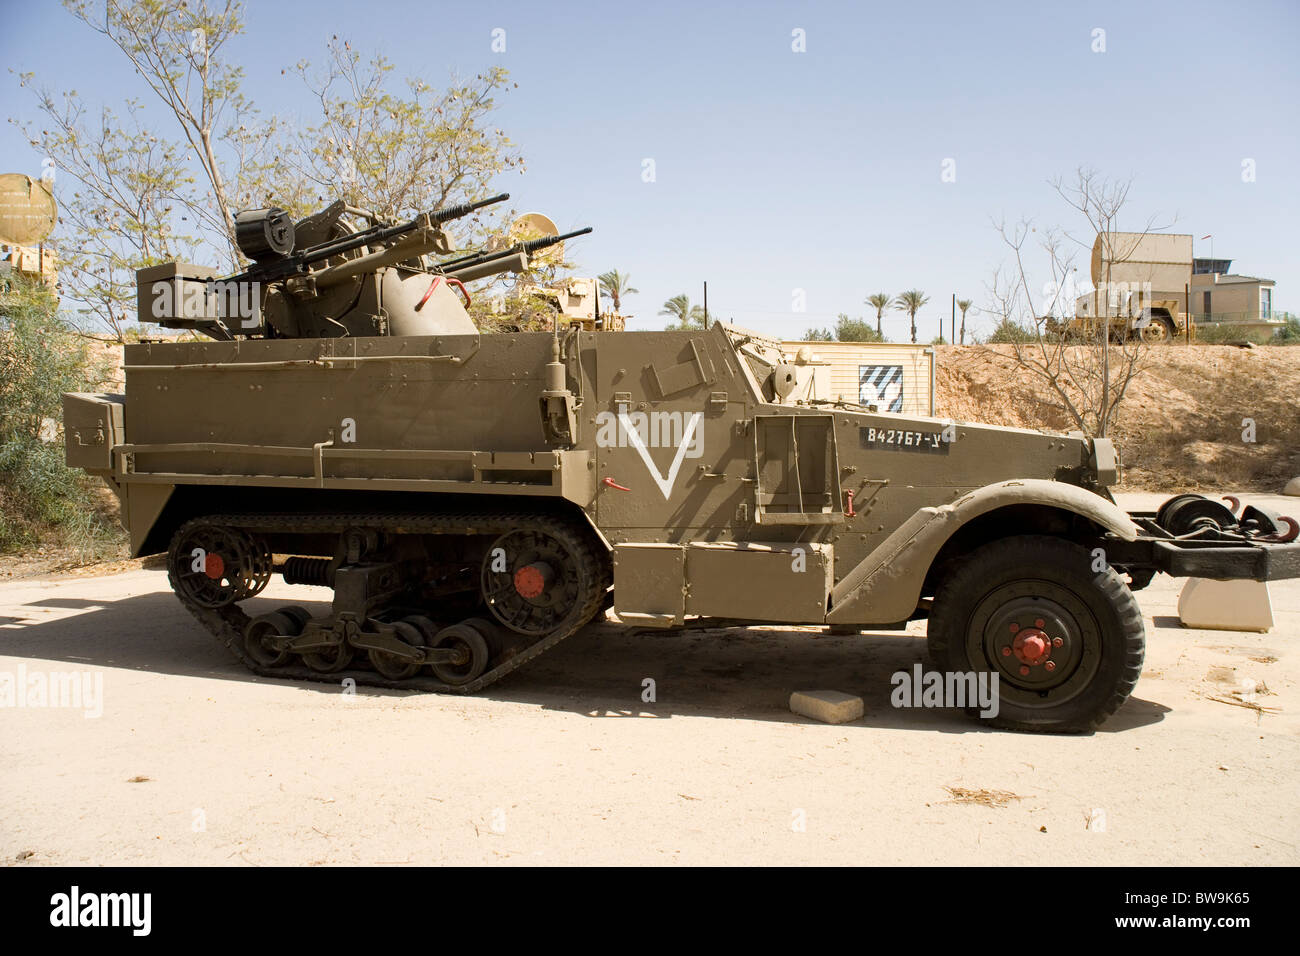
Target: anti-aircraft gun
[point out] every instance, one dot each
(320, 278)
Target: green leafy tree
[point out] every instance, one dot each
(397, 151)
(121, 216)
(855, 330)
(614, 285)
(134, 193)
(911, 302)
(818, 335)
(880, 302)
(687, 316)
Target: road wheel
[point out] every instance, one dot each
(1066, 643)
(298, 613)
(330, 661)
(261, 629)
(417, 631)
(471, 654)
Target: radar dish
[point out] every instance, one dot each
(28, 212)
(534, 225)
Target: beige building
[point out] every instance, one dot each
(1231, 298)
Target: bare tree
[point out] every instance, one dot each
(1087, 369)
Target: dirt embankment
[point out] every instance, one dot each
(1179, 427)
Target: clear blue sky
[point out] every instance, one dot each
(819, 170)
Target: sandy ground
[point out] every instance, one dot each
(194, 761)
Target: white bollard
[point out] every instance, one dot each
(1225, 605)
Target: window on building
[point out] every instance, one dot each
(1266, 303)
(1205, 305)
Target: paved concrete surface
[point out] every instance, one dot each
(192, 760)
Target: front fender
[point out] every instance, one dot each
(885, 586)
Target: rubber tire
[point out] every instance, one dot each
(1038, 557)
(1171, 332)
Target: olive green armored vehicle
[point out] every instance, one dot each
(473, 499)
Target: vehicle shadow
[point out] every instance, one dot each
(603, 671)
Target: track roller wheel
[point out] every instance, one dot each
(331, 661)
(417, 631)
(260, 629)
(471, 654)
(298, 613)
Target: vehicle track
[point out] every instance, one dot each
(227, 623)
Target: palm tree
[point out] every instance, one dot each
(688, 316)
(880, 302)
(963, 304)
(911, 302)
(614, 285)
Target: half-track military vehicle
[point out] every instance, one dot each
(472, 499)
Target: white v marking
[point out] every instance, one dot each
(665, 484)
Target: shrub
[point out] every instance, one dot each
(1010, 331)
(1288, 334)
(1225, 333)
(41, 357)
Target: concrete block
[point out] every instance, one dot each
(1225, 605)
(828, 706)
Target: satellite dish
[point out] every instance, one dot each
(28, 212)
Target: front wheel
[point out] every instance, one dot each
(1064, 641)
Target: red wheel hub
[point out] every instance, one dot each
(214, 567)
(531, 580)
(1032, 646)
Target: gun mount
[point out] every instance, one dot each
(323, 278)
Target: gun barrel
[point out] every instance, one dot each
(527, 247)
(465, 208)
